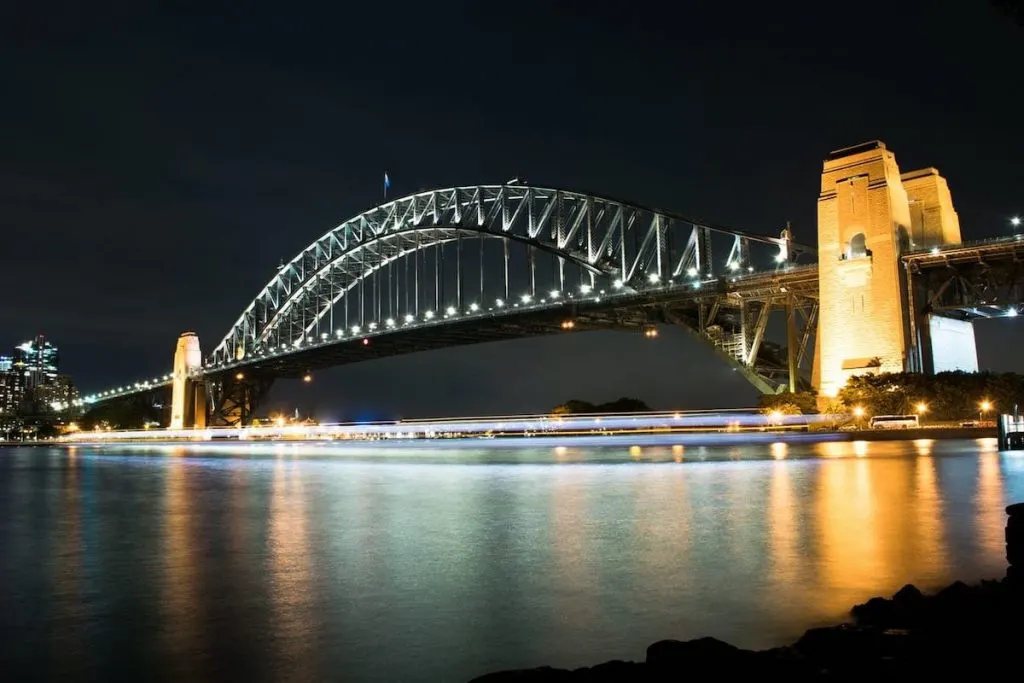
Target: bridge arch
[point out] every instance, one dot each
(290, 323)
(600, 237)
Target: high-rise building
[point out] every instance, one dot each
(11, 393)
(37, 362)
(61, 395)
(6, 363)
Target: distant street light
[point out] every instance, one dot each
(984, 407)
(1015, 221)
(858, 412)
(921, 408)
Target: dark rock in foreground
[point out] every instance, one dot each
(961, 630)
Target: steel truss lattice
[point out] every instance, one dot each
(599, 237)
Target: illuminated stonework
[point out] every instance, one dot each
(188, 404)
(868, 214)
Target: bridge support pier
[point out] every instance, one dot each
(868, 216)
(188, 397)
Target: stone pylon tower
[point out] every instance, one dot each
(188, 398)
(868, 214)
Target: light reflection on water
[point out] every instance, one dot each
(420, 563)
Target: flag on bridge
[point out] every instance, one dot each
(387, 184)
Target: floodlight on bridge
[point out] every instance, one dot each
(526, 298)
(1015, 221)
(474, 307)
(428, 315)
(409, 317)
(450, 310)
(554, 294)
(585, 288)
(499, 303)
(1012, 312)
(654, 278)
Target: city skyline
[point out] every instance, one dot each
(190, 203)
(33, 391)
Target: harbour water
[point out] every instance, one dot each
(443, 562)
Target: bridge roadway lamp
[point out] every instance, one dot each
(1015, 221)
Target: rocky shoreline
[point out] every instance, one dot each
(961, 630)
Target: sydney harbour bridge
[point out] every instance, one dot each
(465, 265)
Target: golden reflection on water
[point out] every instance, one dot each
(291, 589)
(784, 536)
(779, 449)
(181, 598)
(928, 511)
(845, 515)
(880, 519)
(991, 512)
(832, 449)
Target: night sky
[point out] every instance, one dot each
(156, 165)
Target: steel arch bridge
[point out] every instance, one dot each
(466, 264)
(630, 246)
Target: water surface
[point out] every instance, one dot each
(425, 564)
